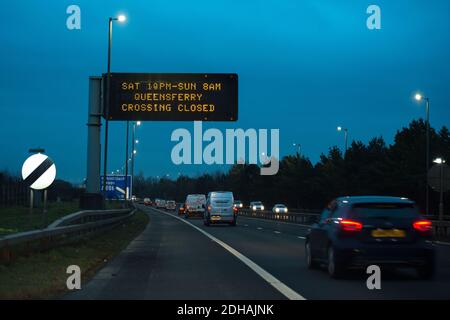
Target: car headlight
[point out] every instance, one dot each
(277, 210)
(262, 207)
(286, 210)
(241, 205)
(254, 208)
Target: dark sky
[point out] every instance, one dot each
(304, 67)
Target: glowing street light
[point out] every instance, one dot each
(295, 144)
(441, 163)
(339, 128)
(120, 18)
(419, 97)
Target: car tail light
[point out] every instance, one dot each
(350, 225)
(423, 225)
(235, 210)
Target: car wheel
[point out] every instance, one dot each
(335, 269)
(427, 271)
(310, 263)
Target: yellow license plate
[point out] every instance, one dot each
(215, 218)
(391, 233)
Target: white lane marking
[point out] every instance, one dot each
(259, 228)
(300, 237)
(245, 225)
(277, 232)
(274, 282)
(443, 243)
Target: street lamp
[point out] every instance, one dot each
(120, 18)
(441, 163)
(419, 97)
(339, 128)
(134, 140)
(298, 147)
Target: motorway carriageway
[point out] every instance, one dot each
(258, 259)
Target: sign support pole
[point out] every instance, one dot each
(44, 210)
(31, 201)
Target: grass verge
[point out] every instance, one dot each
(43, 275)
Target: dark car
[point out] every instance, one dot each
(355, 232)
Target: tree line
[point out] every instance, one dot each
(374, 168)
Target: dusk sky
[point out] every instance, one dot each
(304, 67)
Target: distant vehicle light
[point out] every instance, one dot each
(277, 210)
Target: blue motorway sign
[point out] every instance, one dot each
(116, 187)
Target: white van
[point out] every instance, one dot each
(160, 203)
(220, 208)
(195, 205)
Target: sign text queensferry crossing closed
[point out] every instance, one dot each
(173, 97)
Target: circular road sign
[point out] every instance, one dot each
(38, 171)
(434, 177)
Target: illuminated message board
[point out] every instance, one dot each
(172, 97)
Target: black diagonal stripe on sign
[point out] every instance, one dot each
(38, 172)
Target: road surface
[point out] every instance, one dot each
(258, 259)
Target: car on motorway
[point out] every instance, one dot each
(256, 206)
(355, 232)
(194, 205)
(182, 209)
(160, 203)
(220, 208)
(238, 204)
(279, 208)
(147, 202)
(171, 205)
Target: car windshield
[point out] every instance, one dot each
(384, 210)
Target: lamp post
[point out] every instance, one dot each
(298, 147)
(133, 151)
(345, 136)
(419, 97)
(441, 162)
(126, 161)
(120, 18)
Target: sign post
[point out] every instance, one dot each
(39, 172)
